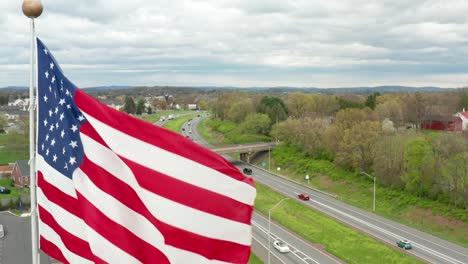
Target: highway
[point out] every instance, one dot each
(425, 246)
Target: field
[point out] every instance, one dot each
(13, 147)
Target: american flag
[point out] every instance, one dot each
(115, 189)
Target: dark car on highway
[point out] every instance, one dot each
(304, 197)
(404, 244)
(247, 171)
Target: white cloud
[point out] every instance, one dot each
(237, 42)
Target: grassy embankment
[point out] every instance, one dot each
(219, 132)
(439, 219)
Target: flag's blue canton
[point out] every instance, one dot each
(59, 118)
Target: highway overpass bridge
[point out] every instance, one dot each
(245, 150)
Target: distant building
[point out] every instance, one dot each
(464, 119)
(20, 173)
(192, 107)
(116, 104)
(457, 122)
(23, 103)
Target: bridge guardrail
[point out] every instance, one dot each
(285, 178)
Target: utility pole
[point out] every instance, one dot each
(269, 226)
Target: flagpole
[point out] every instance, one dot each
(32, 163)
(32, 9)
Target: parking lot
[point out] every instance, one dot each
(15, 246)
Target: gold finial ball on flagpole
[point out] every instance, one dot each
(32, 8)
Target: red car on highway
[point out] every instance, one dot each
(304, 197)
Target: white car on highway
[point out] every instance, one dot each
(281, 246)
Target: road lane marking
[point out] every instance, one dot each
(278, 180)
(389, 233)
(261, 228)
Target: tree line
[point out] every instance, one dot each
(376, 134)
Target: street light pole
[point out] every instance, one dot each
(269, 226)
(373, 207)
(269, 158)
(374, 195)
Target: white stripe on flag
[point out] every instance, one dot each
(131, 220)
(175, 214)
(77, 227)
(73, 223)
(173, 165)
(49, 234)
(60, 181)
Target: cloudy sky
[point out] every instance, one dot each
(302, 43)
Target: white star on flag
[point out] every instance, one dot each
(73, 144)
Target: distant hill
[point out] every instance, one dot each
(339, 90)
(14, 88)
(336, 90)
(382, 89)
(111, 87)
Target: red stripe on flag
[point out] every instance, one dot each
(87, 129)
(191, 195)
(119, 235)
(157, 136)
(72, 242)
(58, 197)
(52, 250)
(207, 247)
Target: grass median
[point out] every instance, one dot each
(340, 240)
(254, 259)
(176, 124)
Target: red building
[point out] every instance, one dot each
(20, 173)
(457, 122)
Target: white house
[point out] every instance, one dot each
(20, 102)
(464, 117)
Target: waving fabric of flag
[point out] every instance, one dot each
(115, 189)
